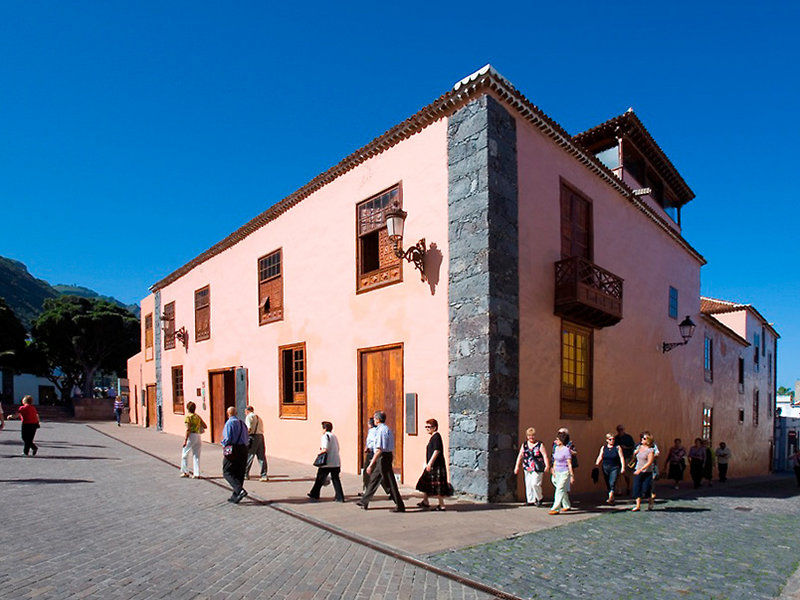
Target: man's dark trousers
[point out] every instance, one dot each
(383, 473)
(233, 467)
(257, 450)
(722, 468)
(364, 476)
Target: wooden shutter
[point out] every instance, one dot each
(576, 224)
(293, 381)
(202, 314)
(177, 390)
(169, 326)
(148, 337)
(576, 371)
(270, 287)
(377, 264)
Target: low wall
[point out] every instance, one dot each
(96, 409)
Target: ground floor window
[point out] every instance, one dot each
(576, 371)
(177, 390)
(292, 366)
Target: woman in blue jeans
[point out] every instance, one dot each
(643, 475)
(613, 462)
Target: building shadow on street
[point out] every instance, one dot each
(45, 481)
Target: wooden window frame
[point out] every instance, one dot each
(566, 187)
(708, 359)
(272, 316)
(563, 396)
(149, 338)
(199, 335)
(707, 423)
(387, 275)
(296, 409)
(673, 314)
(177, 391)
(169, 325)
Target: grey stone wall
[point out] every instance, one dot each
(484, 299)
(157, 354)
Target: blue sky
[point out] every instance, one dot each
(135, 135)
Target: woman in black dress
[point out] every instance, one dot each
(433, 481)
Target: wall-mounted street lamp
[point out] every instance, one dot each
(395, 221)
(686, 327)
(180, 334)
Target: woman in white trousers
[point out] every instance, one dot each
(532, 458)
(192, 442)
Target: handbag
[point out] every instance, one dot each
(595, 474)
(321, 460)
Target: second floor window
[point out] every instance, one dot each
(202, 314)
(576, 224)
(148, 337)
(377, 264)
(708, 359)
(270, 287)
(741, 375)
(169, 326)
(576, 371)
(757, 351)
(673, 303)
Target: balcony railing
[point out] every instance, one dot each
(587, 294)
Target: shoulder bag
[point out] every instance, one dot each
(322, 458)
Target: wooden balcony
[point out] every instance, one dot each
(587, 294)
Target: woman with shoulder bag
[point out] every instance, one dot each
(533, 459)
(613, 463)
(327, 463)
(192, 443)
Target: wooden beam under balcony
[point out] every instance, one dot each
(587, 294)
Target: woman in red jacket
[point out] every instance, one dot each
(30, 423)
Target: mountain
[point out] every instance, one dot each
(25, 294)
(84, 292)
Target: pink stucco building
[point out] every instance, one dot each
(554, 271)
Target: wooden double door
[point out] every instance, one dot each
(222, 384)
(381, 388)
(152, 418)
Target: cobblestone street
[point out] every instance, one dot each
(91, 518)
(736, 543)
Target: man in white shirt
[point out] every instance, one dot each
(258, 448)
(380, 467)
(723, 456)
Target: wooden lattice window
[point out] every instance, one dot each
(169, 326)
(576, 224)
(148, 336)
(293, 379)
(377, 264)
(177, 390)
(202, 314)
(270, 287)
(576, 371)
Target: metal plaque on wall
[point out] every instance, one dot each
(411, 413)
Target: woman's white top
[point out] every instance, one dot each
(331, 444)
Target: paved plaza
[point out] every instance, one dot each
(98, 517)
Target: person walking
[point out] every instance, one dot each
(380, 467)
(257, 448)
(192, 443)
(795, 462)
(613, 464)
(708, 465)
(643, 475)
(676, 462)
(329, 445)
(533, 459)
(626, 442)
(723, 456)
(30, 423)
(234, 455)
(433, 481)
(369, 452)
(119, 404)
(561, 474)
(697, 461)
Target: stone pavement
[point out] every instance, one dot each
(740, 542)
(416, 532)
(92, 518)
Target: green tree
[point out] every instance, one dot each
(12, 337)
(80, 336)
(784, 391)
